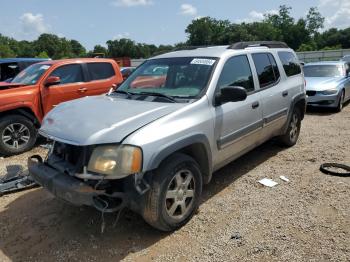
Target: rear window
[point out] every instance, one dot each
(290, 63)
(99, 71)
(266, 69)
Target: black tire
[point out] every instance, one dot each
(25, 139)
(290, 138)
(340, 105)
(158, 205)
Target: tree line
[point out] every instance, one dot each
(303, 34)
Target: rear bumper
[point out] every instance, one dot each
(62, 185)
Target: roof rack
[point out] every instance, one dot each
(180, 48)
(269, 44)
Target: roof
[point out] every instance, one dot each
(216, 51)
(326, 63)
(212, 51)
(76, 60)
(18, 59)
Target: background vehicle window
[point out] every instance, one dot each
(267, 72)
(99, 71)
(323, 71)
(290, 63)
(69, 74)
(237, 72)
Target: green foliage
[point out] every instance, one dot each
(42, 54)
(298, 34)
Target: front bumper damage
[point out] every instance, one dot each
(73, 190)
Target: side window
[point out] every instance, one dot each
(99, 71)
(290, 63)
(266, 69)
(274, 67)
(237, 72)
(69, 74)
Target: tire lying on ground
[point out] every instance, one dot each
(335, 169)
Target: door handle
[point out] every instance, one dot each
(285, 93)
(255, 105)
(82, 90)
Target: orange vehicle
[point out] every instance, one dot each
(40, 87)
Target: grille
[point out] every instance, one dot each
(311, 93)
(76, 156)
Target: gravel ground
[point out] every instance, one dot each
(306, 219)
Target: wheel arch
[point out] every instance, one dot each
(23, 111)
(196, 146)
(298, 102)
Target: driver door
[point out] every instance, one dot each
(71, 86)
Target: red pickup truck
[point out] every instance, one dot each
(40, 87)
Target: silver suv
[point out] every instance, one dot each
(151, 144)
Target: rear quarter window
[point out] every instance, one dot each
(290, 63)
(266, 69)
(99, 71)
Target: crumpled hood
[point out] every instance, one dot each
(322, 83)
(101, 119)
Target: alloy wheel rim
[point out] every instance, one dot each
(294, 127)
(180, 193)
(15, 135)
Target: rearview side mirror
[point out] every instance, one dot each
(52, 80)
(230, 94)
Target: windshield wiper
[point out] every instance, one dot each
(170, 98)
(123, 92)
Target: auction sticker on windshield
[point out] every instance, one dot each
(202, 61)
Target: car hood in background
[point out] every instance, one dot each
(101, 119)
(322, 83)
(6, 85)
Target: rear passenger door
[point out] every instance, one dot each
(237, 124)
(71, 86)
(275, 96)
(101, 78)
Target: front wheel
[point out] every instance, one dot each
(175, 193)
(339, 108)
(290, 138)
(17, 135)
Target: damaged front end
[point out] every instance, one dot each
(66, 173)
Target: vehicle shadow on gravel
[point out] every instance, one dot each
(234, 170)
(36, 226)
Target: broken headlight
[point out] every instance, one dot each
(117, 161)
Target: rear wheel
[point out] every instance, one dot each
(290, 138)
(17, 134)
(339, 108)
(175, 192)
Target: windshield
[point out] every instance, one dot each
(323, 71)
(31, 74)
(180, 77)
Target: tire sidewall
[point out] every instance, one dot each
(341, 101)
(161, 180)
(5, 121)
(198, 190)
(297, 113)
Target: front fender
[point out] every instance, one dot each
(166, 150)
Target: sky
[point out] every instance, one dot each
(93, 22)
